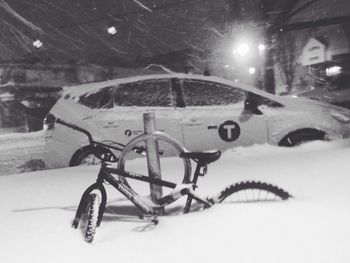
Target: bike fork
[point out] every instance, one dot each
(83, 200)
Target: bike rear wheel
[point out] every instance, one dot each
(90, 217)
(252, 191)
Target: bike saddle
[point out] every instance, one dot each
(202, 157)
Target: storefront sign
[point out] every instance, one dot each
(314, 52)
(7, 96)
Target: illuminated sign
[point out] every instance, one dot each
(7, 97)
(332, 71)
(314, 52)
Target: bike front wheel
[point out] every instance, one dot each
(90, 217)
(251, 191)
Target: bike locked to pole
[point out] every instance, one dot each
(94, 199)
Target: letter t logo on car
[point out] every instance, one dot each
(229, 131)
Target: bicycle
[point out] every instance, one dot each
(93, 201)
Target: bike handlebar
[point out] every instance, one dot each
(117, 146)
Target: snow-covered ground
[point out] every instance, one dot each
(21, 152)
(37, 209)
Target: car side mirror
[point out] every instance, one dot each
(251, 104)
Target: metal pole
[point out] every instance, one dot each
(269, 72)
(152, 153)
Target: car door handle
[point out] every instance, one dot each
(193, 123)
(111, 124)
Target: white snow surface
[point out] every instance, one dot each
(21, 152)
(37, 209)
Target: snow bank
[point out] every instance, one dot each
(37, 210)
(21, 152)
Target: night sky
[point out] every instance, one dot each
(75, 31)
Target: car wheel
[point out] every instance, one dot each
(84, 156)
(302, 136)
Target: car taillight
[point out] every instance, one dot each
(49, 122)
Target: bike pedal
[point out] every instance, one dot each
(211, 201)
(206, 206)
(151, 218)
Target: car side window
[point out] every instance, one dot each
(97, 100)
(143, 93)
(206, 93)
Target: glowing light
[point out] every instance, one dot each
(332, 71)
(38, 43)
(261, 47)
(112, 30)
(242, 49)
(251, 70)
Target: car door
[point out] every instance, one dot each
(214, 117)
(124, 120)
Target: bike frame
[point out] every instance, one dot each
(147, 206)
(106, 175)
(150, 210)
(125, 189)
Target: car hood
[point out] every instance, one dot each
(296, 102)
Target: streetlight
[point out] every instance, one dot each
(251, 70)
(38, 43)
(242, 49)
(261, 47)
(112, 30)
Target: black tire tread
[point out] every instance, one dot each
(245, 185)
(92, 209)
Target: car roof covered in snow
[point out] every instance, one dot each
(96, 86)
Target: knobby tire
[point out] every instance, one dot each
(252, 191)
(90, 217)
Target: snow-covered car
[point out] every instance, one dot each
(201, 112)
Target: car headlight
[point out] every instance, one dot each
(49, 122)
(341, 117)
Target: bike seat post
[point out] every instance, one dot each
(197, 173)
(194, 183)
